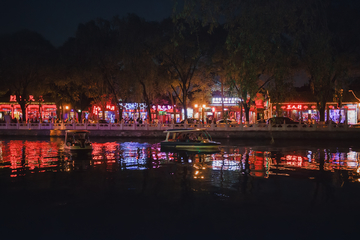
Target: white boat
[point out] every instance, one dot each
(189, 139)
(77, 140)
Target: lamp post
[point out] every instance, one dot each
(67, 112)
(203, 112)
(196, 111)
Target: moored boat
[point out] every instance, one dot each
(77, 140)
(192, 139)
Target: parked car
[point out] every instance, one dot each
(191, 121)
(282, 120)
(330, 122)
(103, 121)
(229, 121)
(261, 121)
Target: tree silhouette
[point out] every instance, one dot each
(26, 59)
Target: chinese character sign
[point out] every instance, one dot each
(110, 107)
(294, 107)
(96, 110)
(13, 98)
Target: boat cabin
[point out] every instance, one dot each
(77, 139)
(187, 135)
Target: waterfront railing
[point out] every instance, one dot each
(165, 126)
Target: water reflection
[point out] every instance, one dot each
(21, 157)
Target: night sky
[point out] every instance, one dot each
(57, 20)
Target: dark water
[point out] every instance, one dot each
(132, 190)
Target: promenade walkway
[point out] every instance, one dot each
(163, 126)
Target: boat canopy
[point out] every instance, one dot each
(196, 134)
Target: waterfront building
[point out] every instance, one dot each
(233, 109)
(36, 109)
(134, 111)
(304, 108)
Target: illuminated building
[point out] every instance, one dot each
(35, 109)
(164, 113)
(233, 108)
(304, 108)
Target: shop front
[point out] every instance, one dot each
(308, 112)
(35, 110)
(166, 113)
(233, 110)
(97, 113)
(131, 112)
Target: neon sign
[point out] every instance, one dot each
(13, 98)
(294, 107)
(96, 110)
(162, 107)
(226, 100)
(133, 106)
(110, 107)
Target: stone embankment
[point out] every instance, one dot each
(217, 131)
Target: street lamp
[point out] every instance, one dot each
(203, 112)
(196, 110)
(67, 108)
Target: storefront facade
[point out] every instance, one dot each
(35, 110)
(136, 111)
(308, 112)
(233, 109)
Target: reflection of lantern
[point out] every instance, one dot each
(306, 107)
(313, 107)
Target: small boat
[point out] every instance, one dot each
(77, 140)
(189, 139)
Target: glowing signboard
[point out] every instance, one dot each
(96, 110)
(294, 107)
(162, 107)
(133, 106)
(110, 107)
(13, 98)
(226, 100)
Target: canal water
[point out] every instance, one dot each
(130, 189)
